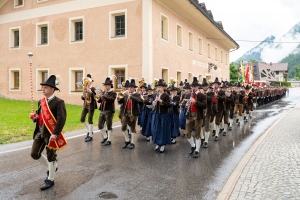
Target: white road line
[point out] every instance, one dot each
(27, 147)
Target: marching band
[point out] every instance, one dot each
(197, 109)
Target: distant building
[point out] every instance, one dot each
(269, 72)
(126, 38)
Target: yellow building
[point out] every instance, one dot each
(127, 38)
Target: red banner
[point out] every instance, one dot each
(50, 122)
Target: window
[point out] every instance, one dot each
(200, 46)
(208, 50)
(120, 74)
(190, 41)
(165, 74)
(221, 56)
(216, 53)
(178, 78)
(277, 72)
(14, 83)
(19, 3)
(75, 79)
(179, 35)
(76, 30)
(190, 79)
(14, 38)
(164, 27)
(41, 76)
(38, 1)
(118, 24)
(226, 59)
(42, 34)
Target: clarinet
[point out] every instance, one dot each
(155, 102)
(189, 102)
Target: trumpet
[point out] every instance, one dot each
(98, 91)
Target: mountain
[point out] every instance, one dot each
(274, 49)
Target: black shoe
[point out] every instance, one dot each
(107, 143)
(205, 145)
(131, 146)
(202, 142)
(156, 148)
(230, 128)
(237, 121)
(125, 145)
(87, 135)
(103, 140)
(88, 138)
(196, 154)
(216, 138)
(221, 130)
(48, 184)
(224, 133)
(245, 119)
(214, 133)
(250, 117)
(239, 124)
(192, 150)
(48, 173)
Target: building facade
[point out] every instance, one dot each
(127, 38)
(270, 72)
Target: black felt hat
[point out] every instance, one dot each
(90, 76)
(172, 88)
(132, 83)
(195, 82)
(161, 82)
(51, 81)
(144, 85)
(204, 82)
(149, 87)
(224, 85)
(187, 86)
(107, 81)
(217, 81)
(181, 83)
(247, 87)
(126, 83)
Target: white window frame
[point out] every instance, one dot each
(181, 40)
(168, 74)
(39, 77)
(168, 26)
(11, 79)
(191, 44)
(200, 46)
(178, 81)
(226, 59)
(190, 77)
(72, 79)
(112, 26)
(38, 33)
(12, 37)
(40, 1)
(72, 21)
(208, 50)
(18, 6)
(112, 68)
(216, 53)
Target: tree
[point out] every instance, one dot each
(297, 72)
(233, 73)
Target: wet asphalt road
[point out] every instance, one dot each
(87, 169)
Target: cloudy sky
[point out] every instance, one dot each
(254, 20)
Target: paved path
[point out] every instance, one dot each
(271, 168)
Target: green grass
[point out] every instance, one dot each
(15, 125)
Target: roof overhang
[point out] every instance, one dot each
(191, 11)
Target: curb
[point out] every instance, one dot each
(233, 178)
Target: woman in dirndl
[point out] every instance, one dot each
(174, 113)
(160, 123)
(147, 116)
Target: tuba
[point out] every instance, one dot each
(86, 95)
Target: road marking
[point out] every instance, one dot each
(27, 147)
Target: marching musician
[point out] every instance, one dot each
(219, 98)
(107, 107)
(89, 106)
(208, 92)
(248, 103)
(194, 117)
(143, 93)
(227, 106)
(231, 90)
(183, 107)
(174, 113)
(146, 126)
(129, 113)
(239, 103)
(161, 135)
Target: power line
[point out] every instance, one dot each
(271, 41)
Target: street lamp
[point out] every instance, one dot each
(30, 54)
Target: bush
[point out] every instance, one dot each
(287, 84)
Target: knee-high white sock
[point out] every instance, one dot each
(213, 125)
(217, 130)
(240, 118)
(86, 125)
(52, 168)
(128, 127)
(125, 133)
(222, 125)
(230, 122)
(43, 160)
(91, 130)
(207, 136)
(108, 135)
(225, 128)
(198, 142)
(191, 141)
(201, 134)
(250, 113)
(104, 134)
(133, 138)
